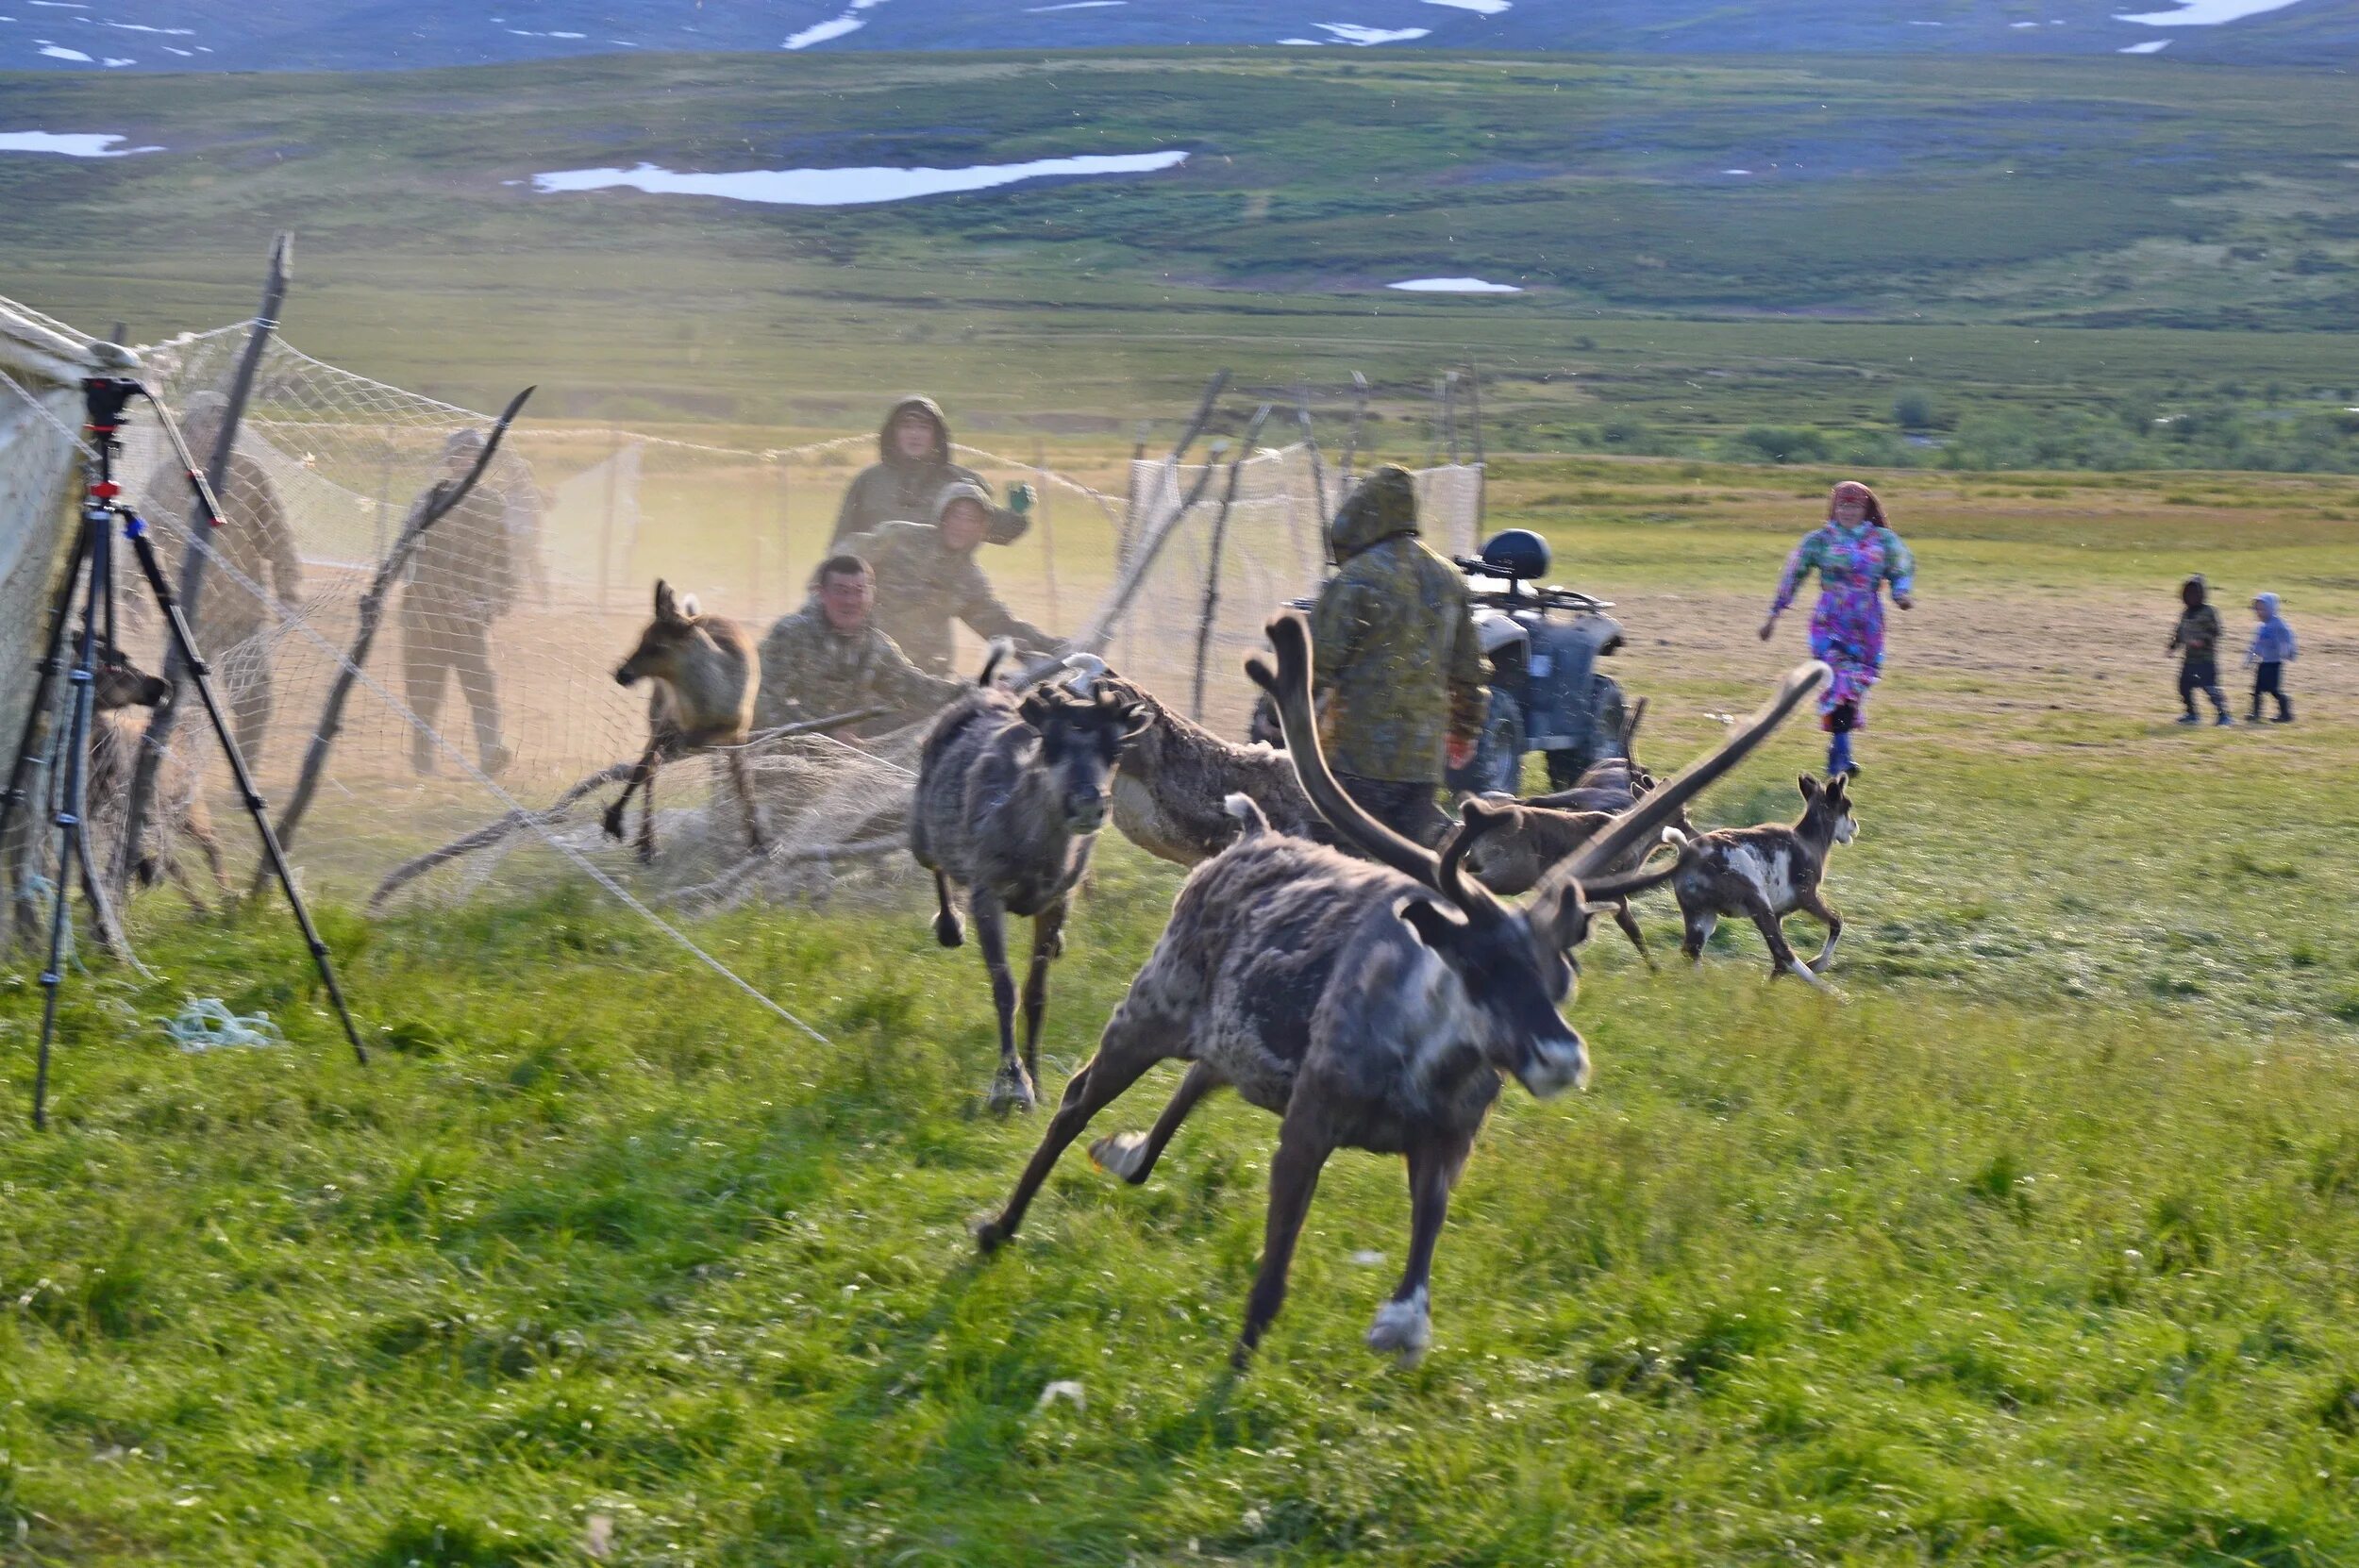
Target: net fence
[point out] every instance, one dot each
(487, 733)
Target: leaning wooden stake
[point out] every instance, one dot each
(157, 739)
(429, 509)
(1351, 443)
(1212, 566)
(1482, 469)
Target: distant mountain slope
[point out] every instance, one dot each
(277, 35)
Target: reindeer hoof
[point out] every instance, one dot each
(948, 932)
(1123, 1154)
(990, 1235)
(1403, 1329)
(612, 821)
(1012, 1091)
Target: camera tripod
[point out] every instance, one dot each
(66, 756)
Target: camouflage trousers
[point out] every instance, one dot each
(1407, 809)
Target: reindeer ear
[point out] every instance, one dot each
(666, 606)
(1809, 787)
(1561, 914)
(1435, 925)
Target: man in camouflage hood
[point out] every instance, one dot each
(912, 466)
(1397, 669)
(829, 657)
(927, 578)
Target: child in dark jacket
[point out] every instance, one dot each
(2197, 643)
(2271, 649)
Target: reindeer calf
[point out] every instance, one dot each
(1532, 840)
(706, 671)
(1768, 873)
(114, 743)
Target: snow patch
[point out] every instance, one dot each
(74, 145)
(1453, 286)
(1074, 6)
(56, 50)
(835, 27)
(144, 27)
(1481, 8)
(2205, 13)
(2151, 46)
(847, 187)
(1736, 171)
(1353, 33)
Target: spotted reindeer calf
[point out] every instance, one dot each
(1766, 873)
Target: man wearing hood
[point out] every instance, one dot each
(829, 657)
(927, 578)
(257, 543)
(912, 468)
(1398, 668)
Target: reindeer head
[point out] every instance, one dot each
(1081, 741)
(665, 640)
(1827, 809)
(119, 683)
(1512, 963)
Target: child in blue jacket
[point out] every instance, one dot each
(2270, 650)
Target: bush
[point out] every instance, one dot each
(1914, 410)
(1779, 444)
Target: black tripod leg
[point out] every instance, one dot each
(52, 660)
(200, 674)
(69, 822)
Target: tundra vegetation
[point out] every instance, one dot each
(2039, 1247)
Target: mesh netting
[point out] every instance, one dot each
(495, 659)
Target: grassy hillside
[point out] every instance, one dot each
(2053, 256)
(2035, 1248)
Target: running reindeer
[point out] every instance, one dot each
(1011, 795)
(1530, 840)
(1175, 777)
(1768, 873)
(1368, 1005)
(706, 672)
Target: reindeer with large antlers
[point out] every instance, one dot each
(1368, 1005)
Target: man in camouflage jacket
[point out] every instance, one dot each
(927, 578)
(1396, 667)
(460, 582)
(912, 466)
(829, 657)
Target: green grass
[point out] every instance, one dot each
(2037, 1247)
(2039, 259)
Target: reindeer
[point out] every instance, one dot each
(1175, 775)
(1010, 794)
(114, 741)
(1371, 1005)
(706, 672)
(1769, 873)
(1532, 838)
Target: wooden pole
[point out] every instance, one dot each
(1048, 531)
(1359, 418)
(1211, 565)
(1482, 471)
(1450, 413)
(156, 741)
(606, 528)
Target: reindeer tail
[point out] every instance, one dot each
(1250, 820)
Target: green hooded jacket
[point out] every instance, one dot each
(923, 585)
(1396, 669)
(893, 489)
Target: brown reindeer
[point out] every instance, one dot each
(1011, 795)
(1768, 873)
(114, 741)
(1531, 840)
(1176, 777)
(706, 671)
(1371, 1005)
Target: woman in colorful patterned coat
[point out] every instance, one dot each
(1855, 554)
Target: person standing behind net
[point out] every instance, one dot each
(927, 578)
(2196, 640)
(1855, 553)
(1396, 667)
(829, 657)
(460, 581)
(913, 467)
(257, 543)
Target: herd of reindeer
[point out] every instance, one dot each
(1370, 993)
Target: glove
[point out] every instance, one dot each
(1020, 497)
(1459, 752)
